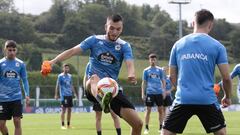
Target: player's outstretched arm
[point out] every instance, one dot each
(66, 55)
(226, 83)
(47, 65)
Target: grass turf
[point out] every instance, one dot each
(84, 124)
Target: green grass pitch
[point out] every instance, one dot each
(84, 124)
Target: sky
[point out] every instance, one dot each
(228, 9)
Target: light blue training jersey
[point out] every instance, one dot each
(11, 74)
(168, 85)
(153, 77)
(106, 56)
(236, 72)
(195, 57)
(65, 85)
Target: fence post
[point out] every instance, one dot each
(80, 93)
(37, 95)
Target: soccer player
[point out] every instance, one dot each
(235, 72)
(98, 109)
(192, 65)
(107, 53)
(167, 101)
(153, 84)
(66, 90)
(12, 72)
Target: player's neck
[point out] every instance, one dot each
(201, 30)
(10, 58)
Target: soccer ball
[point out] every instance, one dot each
(105, 85)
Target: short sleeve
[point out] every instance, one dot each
(87, 43)
(127, 52)
(173, 57)
(222, 55)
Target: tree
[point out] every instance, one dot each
(52, 21)
(7, 6)
(16, 27)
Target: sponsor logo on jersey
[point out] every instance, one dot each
(107, 58)
(10, 74)
(153, 75)
(198, 56)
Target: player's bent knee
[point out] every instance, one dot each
(94, 78)
(138, 125)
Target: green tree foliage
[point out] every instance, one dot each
(221, 29)
(7, 6)
(16, 27)
(52, 21)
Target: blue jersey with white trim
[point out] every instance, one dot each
(65, 85)
(106, 56)
(195, 57)
(11, 74)
(153, 77)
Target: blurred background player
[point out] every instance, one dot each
(192, 65)
(167, 101)
(65, 87)
(153, 84)
(12, 71)
(235, 72)
(107, 53)
(98, 109)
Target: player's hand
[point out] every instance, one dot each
(226, 102)
(46, 68)
(56, 97)
(27, 98)
(132, 79)
(143, 97)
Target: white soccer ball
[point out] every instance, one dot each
(105, 85)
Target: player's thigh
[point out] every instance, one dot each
(119, 102)
(149, 101)
(167, 101)
(16, 108)
(211, 117)
(177, 118)
(158, 99)
(130, 116)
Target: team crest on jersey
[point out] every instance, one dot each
(17, 64)
(107, 58)
(117, 47)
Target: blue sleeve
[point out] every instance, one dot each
(127, 52)
(23, 74)
(87, 43)
(58, 81)
(163, 77)
(222, 55)
(144, 77)
(173, 57)
(236, 71)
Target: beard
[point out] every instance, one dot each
(110, 37)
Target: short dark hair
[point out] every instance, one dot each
(115, 18)
(203, 16)
(152, 55)
(10, 43)
(66, 65)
